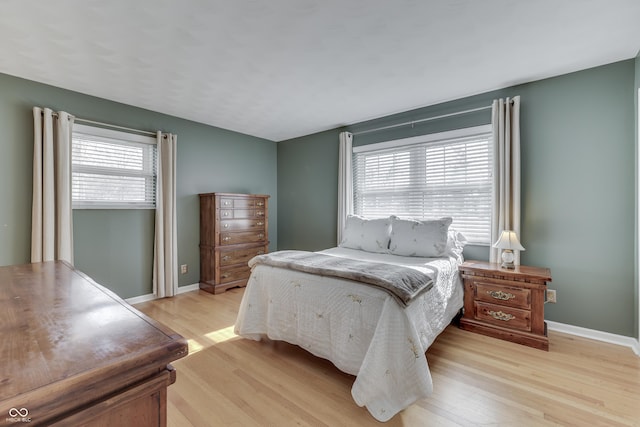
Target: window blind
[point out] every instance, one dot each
(450, 176)
(114, 171)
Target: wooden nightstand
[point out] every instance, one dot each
(505, 304)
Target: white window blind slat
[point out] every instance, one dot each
(113, 172)
(449, 177)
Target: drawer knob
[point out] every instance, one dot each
(261, 235)
(227, 203)
(260, 223)
(503, 296)
(226, 225)
(225, 275)
(260, 252)
(260, 213)
(226, 258)
(260, 203)
(225, 214)
(226, 238)
(499, 315)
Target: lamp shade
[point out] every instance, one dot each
(508, 240)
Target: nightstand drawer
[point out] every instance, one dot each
(504, 295)
(499, 315)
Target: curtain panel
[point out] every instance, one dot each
(505, 120)
(51, 214)
(345, 181)
(165, 249)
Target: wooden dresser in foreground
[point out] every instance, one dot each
(506, 304)
(233, 229)
(73, 353)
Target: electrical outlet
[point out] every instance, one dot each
(183, 269)
(551, 295)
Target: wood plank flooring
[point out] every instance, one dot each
(477, 380)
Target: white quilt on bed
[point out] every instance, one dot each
(359, 328)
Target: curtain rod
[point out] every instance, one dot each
(109, 125)
(422, 120)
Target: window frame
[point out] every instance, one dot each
(124, 139)
(428, 140)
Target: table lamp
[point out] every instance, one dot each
(508, 241)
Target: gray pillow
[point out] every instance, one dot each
(420, 238)
(371, 235)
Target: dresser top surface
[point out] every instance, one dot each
(520, 271)
(266, 196)
(61, 328)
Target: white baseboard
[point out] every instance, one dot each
(151, 297)
(633, 343)
(141, 298)
(188, 288)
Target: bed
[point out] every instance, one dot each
(363, 330)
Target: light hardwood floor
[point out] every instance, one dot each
(477, 380)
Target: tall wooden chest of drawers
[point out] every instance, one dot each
(506, 304)
(233, 229)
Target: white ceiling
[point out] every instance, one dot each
(279, 69)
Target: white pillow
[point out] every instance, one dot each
(371, 235)
(426, 238)
(456, 242)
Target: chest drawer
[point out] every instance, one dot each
(242, 224)
(241, 213)
(241, 203)
(240, 256)
(489, 292)
(500, 315)
(231, 274)
(234, 238)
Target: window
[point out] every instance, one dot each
(112, 169)
(430, 176)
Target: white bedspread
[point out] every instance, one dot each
(359, 328)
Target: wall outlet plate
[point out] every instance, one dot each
(183, 269)
(551, 295)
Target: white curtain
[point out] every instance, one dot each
(345, 181)
(51, 218)
(506, 172)
(165, 251)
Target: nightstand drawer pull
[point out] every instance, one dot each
(226, 258)
(499, 315)
(503, 296)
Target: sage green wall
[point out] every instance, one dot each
(98, 241)
(116, 247)
(578, 187)
(637, 134)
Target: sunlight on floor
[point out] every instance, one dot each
(194, 346)
(221, 335)
(211, 338)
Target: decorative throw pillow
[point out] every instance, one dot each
(421, 238)
(371, 235)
